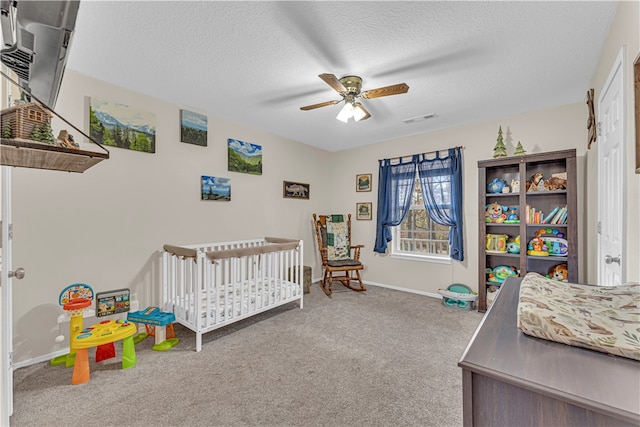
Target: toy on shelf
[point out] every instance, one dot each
(159, 324)
(512, 217)
(559, 272)
(500, 273)
(496, 213)
(538, 183)
(75, 299)
(496, 243)
(497, 186)
(548, 242)
(458, 295)
(513, 245)
(535, 183)
(515, 186)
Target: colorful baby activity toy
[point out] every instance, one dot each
(458, 295)
(159, 324)
(75, 299)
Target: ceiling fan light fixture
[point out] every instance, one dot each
(346, 113)
(358, 112)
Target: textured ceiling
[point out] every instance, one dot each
(257, 63)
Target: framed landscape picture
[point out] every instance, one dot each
(117, 125)
(295, 190)
(363, 182)
(193, 128)
(215, 188)
(244, 157)
(363, 211)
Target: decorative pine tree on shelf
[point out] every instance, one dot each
(6, 131)
(519, 150)
(499, 150)
(46, 134)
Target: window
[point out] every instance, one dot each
(418, 235)
(34, 115)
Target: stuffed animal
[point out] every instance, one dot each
(496, 213)
(559, 272)
(555, 183)
(496, 186)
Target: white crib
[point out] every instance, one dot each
(208, 286)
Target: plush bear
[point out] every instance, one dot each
(496, 212)
(559, 272)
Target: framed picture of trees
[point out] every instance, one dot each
(244, 157)
(193, 128)
(118, 125)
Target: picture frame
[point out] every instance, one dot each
(363, 211)
(363, 182)
(636, 85)
(215, 188)
(115, 124)
(193, 128)
(295, 190)
(244, 157)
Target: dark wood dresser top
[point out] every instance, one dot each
(586, 378)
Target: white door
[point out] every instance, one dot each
(611, 118)
(6, 323)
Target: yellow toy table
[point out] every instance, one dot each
(105, 332)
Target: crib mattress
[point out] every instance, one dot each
(239, 299)
(605, 319)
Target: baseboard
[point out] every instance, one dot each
(395, 288)
(39, 359)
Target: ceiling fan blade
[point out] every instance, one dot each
(333, 81)
(364, 110)
(322, 104)
(385, 91)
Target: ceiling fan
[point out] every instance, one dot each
(349, 87)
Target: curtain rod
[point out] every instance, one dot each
(427, 152)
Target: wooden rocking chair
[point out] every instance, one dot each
(338, 255)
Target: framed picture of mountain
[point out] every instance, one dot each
(244, 157)
(193, 128)
(215, 188)
(118, 125)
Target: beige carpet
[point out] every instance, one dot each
(379, 358)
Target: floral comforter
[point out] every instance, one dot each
(605, 319)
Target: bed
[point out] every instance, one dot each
(208, 286)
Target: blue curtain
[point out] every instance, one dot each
(441, 185)
(395, 188)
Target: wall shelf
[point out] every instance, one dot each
(35, 155)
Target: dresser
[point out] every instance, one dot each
(512, 379)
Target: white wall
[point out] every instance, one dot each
(625, 30)
(105, 227)
(539, 131)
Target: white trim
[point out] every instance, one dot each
(39, 359)
(411, 291)
(422, 258)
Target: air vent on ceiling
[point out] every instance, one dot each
(420, 118)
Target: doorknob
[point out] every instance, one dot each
(608, 259)
(18, 274)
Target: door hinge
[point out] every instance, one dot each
(599, 128)
(599, 227)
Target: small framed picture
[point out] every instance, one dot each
(363, 182)
(295, 190)
(363, 211)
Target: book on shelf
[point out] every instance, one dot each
(558, 216)
(550, 215)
